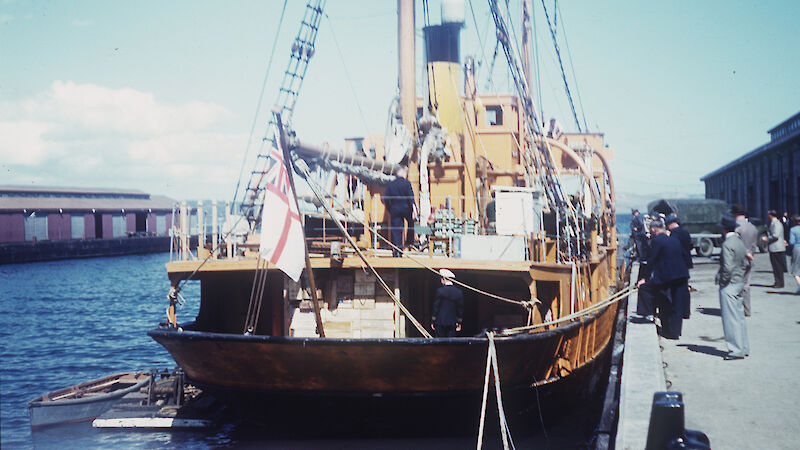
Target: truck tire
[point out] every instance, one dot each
(705, 247)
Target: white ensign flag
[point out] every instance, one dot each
(282, 242)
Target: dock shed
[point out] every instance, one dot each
(36, 213)
(767, 177)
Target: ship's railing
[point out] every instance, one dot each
(503, 227)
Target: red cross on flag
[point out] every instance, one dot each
(282, 241)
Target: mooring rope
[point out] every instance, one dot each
(492, 367)
(624, 293)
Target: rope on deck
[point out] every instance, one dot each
(527, 304)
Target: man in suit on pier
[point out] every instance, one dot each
(448, 307)
(733, 264)
(748, 233)
(668, 280)
(776, 247)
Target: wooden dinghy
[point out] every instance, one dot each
(84, 401)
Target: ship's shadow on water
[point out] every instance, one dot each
(441, 423)
(536, 419)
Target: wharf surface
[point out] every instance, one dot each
(739, 404)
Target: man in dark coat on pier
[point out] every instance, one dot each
(448, 307)
(678, 232)
(668, 281)
(638, 233)
(399, 197)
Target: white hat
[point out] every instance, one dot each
(446, 273)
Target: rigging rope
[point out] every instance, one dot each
(574, 72)
(561, 65)
(312, 184)
(347, 74)
(528, 304)
(260, 98)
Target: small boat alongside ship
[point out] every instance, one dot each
(537, 262)
(84, 401)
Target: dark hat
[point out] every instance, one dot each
(672, 218)
(634, 210)
(727, 222)
(738, 210)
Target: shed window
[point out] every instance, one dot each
(77, 225)
(119, 225)
(36, 227)
(161, 224)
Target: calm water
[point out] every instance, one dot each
(65, 322)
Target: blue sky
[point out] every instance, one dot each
(160, 96)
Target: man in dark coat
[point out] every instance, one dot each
(645, 301)
(399, 199)
(678, 232)
(448, 307)
(638, 233)
(668, 281)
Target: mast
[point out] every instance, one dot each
(526, 41)
(405, 63)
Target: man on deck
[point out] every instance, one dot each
(402, 209)
(448, 307)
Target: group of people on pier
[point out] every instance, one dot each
(782, 248)
(663, 280)
(665, 259)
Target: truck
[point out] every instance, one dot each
(700, 217)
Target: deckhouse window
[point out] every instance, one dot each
(494, 115)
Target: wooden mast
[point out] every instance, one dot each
(287, 157)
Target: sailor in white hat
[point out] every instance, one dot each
(448, 307)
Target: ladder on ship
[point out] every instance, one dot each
(301, 52)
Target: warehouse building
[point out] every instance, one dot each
(37, 214)
(767, 177)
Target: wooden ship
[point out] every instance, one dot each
(538, 274)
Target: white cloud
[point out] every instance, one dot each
(81, 23)
(21, 142)
(5, 18)
(90, 135)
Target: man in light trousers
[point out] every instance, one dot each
(749, 235)
(733, 264)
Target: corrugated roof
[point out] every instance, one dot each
(69, 190)
(19, 198)
(753, 153)
(783, 123)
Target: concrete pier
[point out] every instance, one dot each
(750, 403)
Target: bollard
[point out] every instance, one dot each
(667, 425)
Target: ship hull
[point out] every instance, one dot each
(415, 366)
